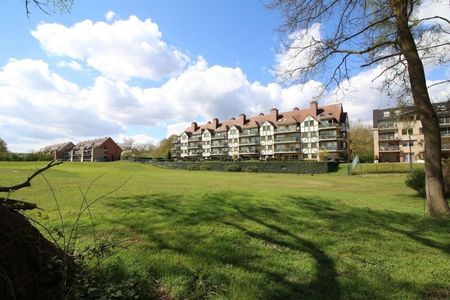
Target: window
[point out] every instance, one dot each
(313, 145)
(313, 156)
(420, 130)
(269, 137)
(386, 114)
(407, 131)
(408, 143)
(313, 134)
(311, 123)
(270, 147)
(305, 134)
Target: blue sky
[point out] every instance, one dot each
(146, 69)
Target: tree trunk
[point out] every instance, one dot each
(437, 204)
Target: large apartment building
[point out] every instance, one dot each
(398, 136)
(313, 133)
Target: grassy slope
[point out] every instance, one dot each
(259, 236)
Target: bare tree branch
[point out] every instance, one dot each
(27, 183)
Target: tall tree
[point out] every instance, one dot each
(3, 146)
(388, 34)
(361, 141)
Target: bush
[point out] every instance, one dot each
(252, 169)
(192, 167)
(204, 168)
(233, 168)
(416, 181)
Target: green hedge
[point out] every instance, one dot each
(287, 166)
(8, 156)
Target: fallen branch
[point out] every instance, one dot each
(27, 183)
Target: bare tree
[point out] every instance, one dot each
(48, 6)
(388, 34)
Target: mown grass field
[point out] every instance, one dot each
(214, 235)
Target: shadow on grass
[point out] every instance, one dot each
(239, 246)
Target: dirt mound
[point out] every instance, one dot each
(31, 267)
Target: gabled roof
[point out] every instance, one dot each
(58, 147)
(286, 121)
(252, 123)
(92, 143)
(325, 112)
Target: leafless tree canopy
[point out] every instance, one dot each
(357, 32)
(48, 6)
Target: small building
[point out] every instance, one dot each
(59, 151)
(104, 149)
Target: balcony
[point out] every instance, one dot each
(390, 148)
(219, 153)
(287, 140)
(249, 142)
(218, 137)
(249, 133)
(331, 137)
(248, 152)
(196, 146)
(388, 138)
(286, 130)
(287, 150)
(331, 126)
(445, 146)
(389, 126)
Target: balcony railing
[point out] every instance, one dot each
(287, 150)
(330, 125)
(389, 148)
(249, 133)
(218, 137)
(283, 130)
(387, 126)
(287, 140)
(388, 137)
(249, 142)
(331, 136)
(445, 146)
(248, 151)
(194, 146)
(329, 148)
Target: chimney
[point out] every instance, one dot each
(215, 123)
(274, 114)
(194, 127)
(296, 108)
(313, 108)
(242, 119)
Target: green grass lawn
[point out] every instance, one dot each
(219, 235)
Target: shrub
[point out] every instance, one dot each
(192, 167)
(251, 169)
(204, 168)
(233, 168)
(416, 181)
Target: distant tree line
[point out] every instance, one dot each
(154, 150)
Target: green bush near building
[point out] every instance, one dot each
(285, 166)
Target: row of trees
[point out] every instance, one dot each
(160, 149)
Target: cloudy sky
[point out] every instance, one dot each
(146, 69)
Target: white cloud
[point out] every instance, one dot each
(299, 52)
(71, 65)
(200, 93)
(38, 105)
(139, 139)
(110, 15)
(121, 50)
